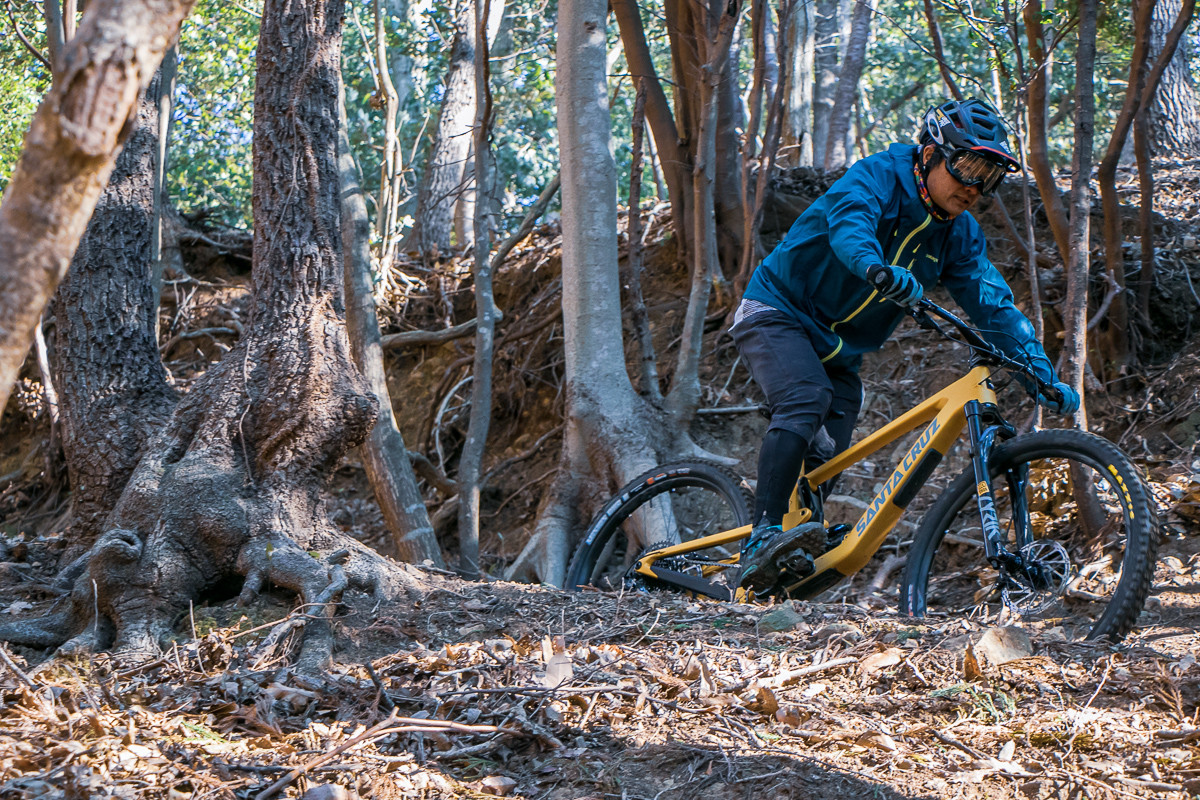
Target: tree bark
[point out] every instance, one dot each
(798, 77)
(113, 391)
(1075, 310)
(825, 64)
(1175, 114)
(384, 454)
(836, 154)
(72, 144)
(231, 486)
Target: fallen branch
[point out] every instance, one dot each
(792, 675)
(378, 731)
(395, 341)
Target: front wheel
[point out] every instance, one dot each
(669, 504)
(1070, 502)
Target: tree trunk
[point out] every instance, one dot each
(825, 65)
(231, 486)
(610, 434)
(674, 156)
(1039, 149)
(1144, 82)
(1175, 113)
(113, 392)
(445, 172)
(836, 151)
(798, 77)
(1075, 310)
(1146, 274)
(72, 144)
(384, 455)
(1115, 334)
(470, 464)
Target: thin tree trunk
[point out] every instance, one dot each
(684, 397)
(384, 454)
(1039, 151)
(1148, 271)
(759, 12)
(470, 465)
(391, 166)
(648, 360)
(1142, 87)
(836, 151)
(673, 154)
(72, 144)
(166, 95)
(1075, 310)
(756, 197)
(935, 35)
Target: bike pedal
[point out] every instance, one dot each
(835, 536)
(799, 563)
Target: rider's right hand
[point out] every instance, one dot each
(1068, 404)
(896, 283)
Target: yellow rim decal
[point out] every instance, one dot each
(1124, 490)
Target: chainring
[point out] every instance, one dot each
(682, 562)
(1052, 563)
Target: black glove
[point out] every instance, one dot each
(896, 283)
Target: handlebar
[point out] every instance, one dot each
(925, 309)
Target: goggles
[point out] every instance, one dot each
(971, 168)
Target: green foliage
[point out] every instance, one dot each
(209, 167)
(23, 82)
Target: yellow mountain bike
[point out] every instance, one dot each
(1055, 525)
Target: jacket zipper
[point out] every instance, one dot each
(875, 292)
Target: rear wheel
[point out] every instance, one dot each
(669, 504)
(1070, 502)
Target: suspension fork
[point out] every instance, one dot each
(986, 428)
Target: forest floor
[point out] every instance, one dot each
(509, 689)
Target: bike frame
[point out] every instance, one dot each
(962, 405)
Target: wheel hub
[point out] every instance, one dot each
(1046, 573)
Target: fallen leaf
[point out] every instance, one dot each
(765, 702)
(971, 669)
(877, 739)
(878, 661)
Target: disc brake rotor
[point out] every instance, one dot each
(1045, 580)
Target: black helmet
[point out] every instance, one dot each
(959, 128)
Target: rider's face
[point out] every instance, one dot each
(946, 191)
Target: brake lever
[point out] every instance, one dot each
(922, 318)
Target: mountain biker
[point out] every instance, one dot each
(895, 225)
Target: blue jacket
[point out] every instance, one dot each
(873, 216)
